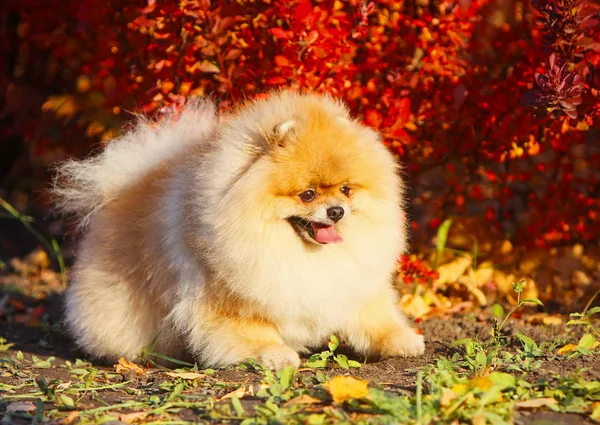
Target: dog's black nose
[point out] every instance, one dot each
(335, 213)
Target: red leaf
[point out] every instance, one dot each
(281, 60)
(303, 11)
(276, 81)
(232, 54)
(279, 33)
(403, 106)
(373, 118)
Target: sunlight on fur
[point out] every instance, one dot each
(252, 235)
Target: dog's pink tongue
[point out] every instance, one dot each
(326, 234)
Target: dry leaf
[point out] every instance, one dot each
(569, 348)
(303, 400)
(185, 375)
(536, 403)
(245, 390)
(124, 366)
(69, 419)
(452, 271)
(20, 406)
(544, 318)
(470, 282)
(131, 417)
(484, 274)
(414, 305)
(343, 388)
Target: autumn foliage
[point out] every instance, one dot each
(492, 106)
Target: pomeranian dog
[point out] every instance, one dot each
(256, 234)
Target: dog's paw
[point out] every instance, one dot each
(405, 343)
(277, 357)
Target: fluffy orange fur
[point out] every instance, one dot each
(213, 248)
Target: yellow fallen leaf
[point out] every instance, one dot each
(482, 383)
(460, 388)
(126, 366)
(484, 274)
(567, 349)
(304, 399)
(595, 411)
(185, 375)
(544, 318)
(414, 305)
(343, 388)
(536, 403)
(245, 390)
(470, 282)
(450, 272)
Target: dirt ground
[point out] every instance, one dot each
(397, 375)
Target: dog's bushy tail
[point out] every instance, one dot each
(84, 187)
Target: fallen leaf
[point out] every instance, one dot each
(536, 403)
(544, 318)
(303, 400)
(414, 305)
(567, 349)
(452, 271)
(125, 366)
(595, 411)
(470, 282)
(70, 419)
(131, 417)
(343, 388)
(245, 390)
(20, 406)
(483, 383)
(185, 375)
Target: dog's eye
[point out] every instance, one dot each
(345, 190)
(308, 195)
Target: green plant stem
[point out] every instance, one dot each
(51, 248)
(589, 303)
(515, 308)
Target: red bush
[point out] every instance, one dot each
(492, 106)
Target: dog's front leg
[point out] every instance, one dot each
(381, 330)
(222, 336)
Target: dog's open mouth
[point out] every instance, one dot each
(320, 232)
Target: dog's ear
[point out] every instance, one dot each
(281, 133)
(271, 139)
